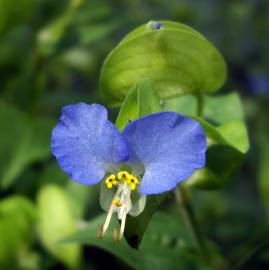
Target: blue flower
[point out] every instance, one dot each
(159, 151)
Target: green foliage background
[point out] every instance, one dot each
(51, 54)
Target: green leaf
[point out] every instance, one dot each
(141, 100)
(178, 59)
(168, 24)
(136, 226)
(233, 133)
(224, 108)
(227, 146)
(120, 249)
(57, 220)
(17, 220)
(218, 109)
(222, 163)
(165, 245)
(23, 140)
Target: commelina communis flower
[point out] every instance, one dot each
(157, 152)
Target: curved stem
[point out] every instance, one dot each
(190, 220)
(250, 254)
(200, 104)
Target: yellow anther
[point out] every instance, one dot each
(116, 235)
(111, 181)
(117, 202)
(132, 181)
(123, 175)
(100, 232)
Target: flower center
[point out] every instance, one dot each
(121, 203)
(122, 176)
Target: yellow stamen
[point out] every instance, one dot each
(132, 181)
(123, 175)
(111, 181)
(117, 202)
(121, 203)
(132, 186)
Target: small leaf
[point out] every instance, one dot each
(217, 109)
(233, 133)
(56, 221)
(176, 58)
(141, 100)
(129, 110)
(224, 108)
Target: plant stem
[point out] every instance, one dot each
(190, 220)
(200, 105)
(250, 254)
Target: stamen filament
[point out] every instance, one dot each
(110, 212)
(116, 234)
(100, 232)
(125, 212)
(122, 225)
(121, 203)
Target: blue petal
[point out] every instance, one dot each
(170, 147)
(86, 144)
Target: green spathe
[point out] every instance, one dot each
(176, 58)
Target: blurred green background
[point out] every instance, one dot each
(51, 53)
